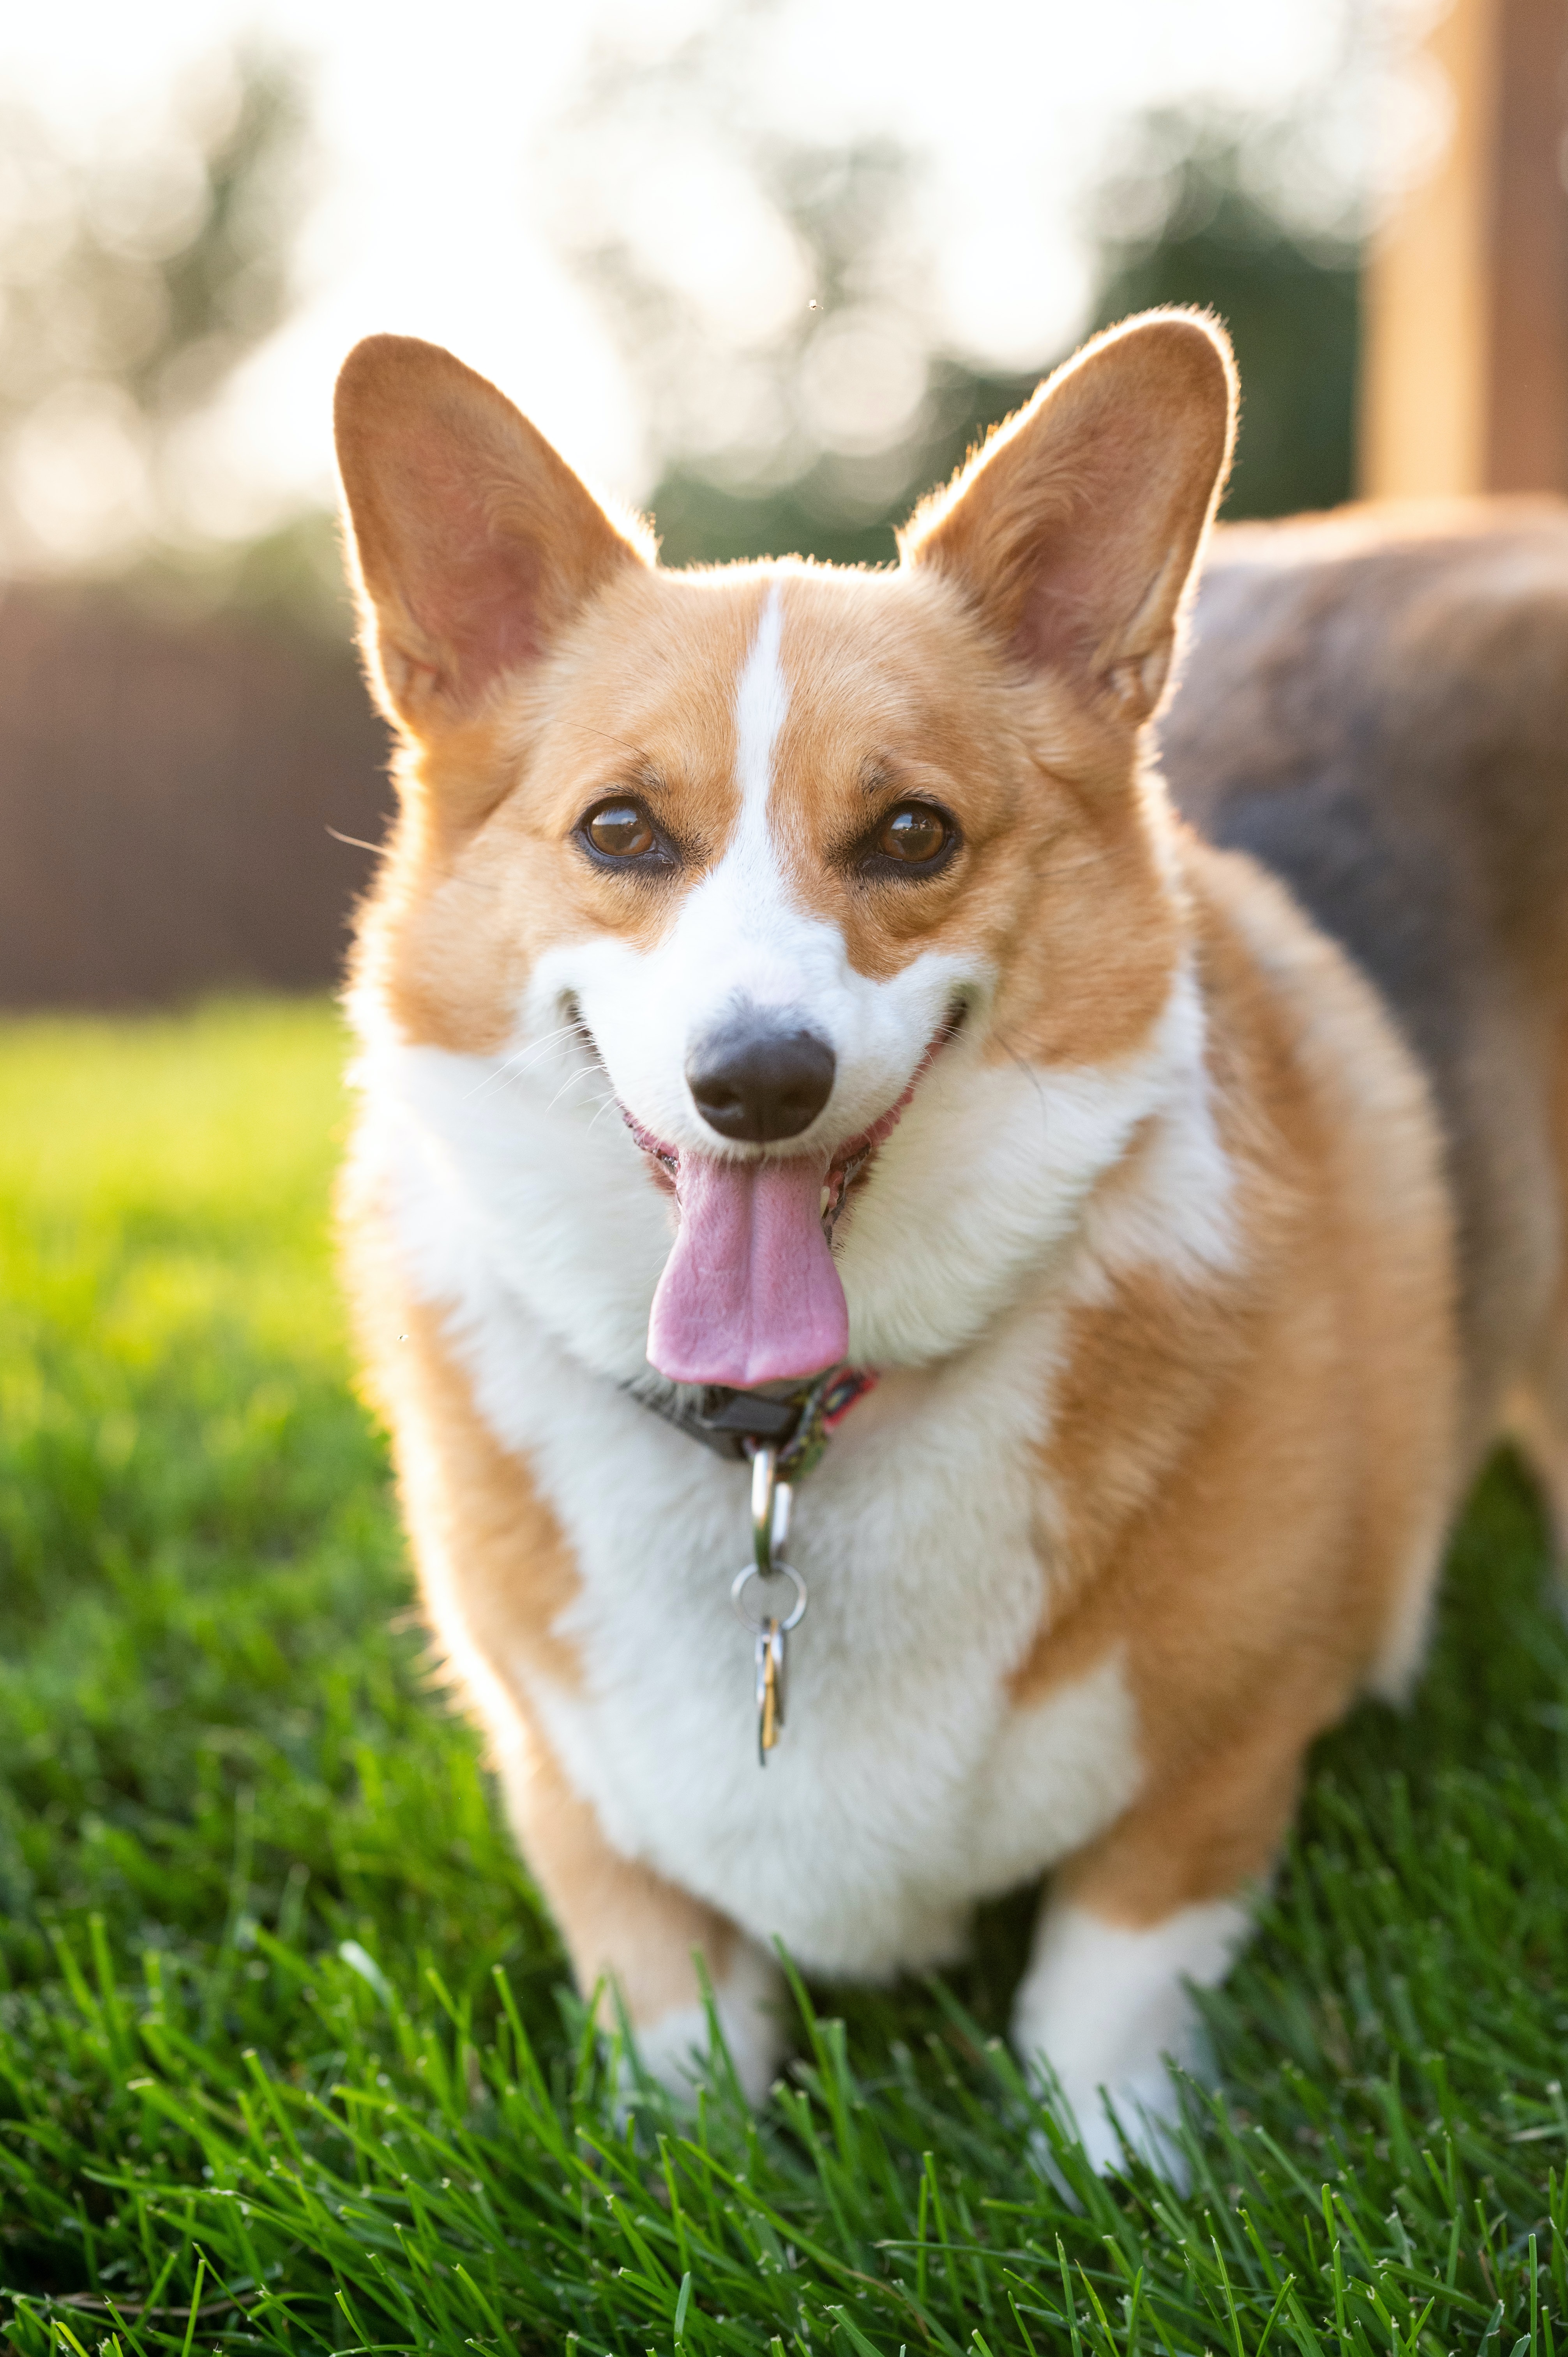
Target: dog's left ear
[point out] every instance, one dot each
(1074, 530)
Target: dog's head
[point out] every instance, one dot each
(794, 855)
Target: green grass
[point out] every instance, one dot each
(287, 2057)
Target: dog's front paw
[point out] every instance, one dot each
(1103, 2011)
(1140, 2113)
(676, 2051)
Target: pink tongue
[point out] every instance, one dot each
(749, 1293)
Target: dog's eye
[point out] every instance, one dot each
(913, 834)
(620, 831)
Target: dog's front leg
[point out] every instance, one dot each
(1105, 2003)
(1158, 1906)
(627, 1928)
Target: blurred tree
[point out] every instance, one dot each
(1186, 218)
(835, 512)
(815, 428)
(877, 415)
(132, 284)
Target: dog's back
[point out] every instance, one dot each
(1375, 706)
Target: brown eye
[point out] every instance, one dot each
(620, 831)
(913, 833)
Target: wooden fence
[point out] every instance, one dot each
(167, 789)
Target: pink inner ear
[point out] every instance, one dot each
(1083, 580)
(473, 592)
(1058, 628)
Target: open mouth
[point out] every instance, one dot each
(750, 1293)
(851, 1163)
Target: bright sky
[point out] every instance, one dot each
(432, 211)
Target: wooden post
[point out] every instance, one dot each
(1464, 367)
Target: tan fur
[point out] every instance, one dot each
(1246, 1474)
(1255, 1468)
(625, 1926)
(481, 879)
(1408, 665)
(473, 1508)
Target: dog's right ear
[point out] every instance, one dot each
(474, 544)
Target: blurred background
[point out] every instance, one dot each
(765, 268)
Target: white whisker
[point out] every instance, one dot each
(586, 1072)
(519, 1059)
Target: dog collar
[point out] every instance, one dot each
(796, 1424)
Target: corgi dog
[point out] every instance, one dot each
(934, 1311)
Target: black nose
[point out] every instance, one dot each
(755, 1080)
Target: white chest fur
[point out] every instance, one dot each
(906, 1785)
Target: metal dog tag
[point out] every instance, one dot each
(771, 1630)
(769, 1689)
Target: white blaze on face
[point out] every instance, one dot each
(761, 707)
(740, 939)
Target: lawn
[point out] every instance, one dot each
(288, 2060)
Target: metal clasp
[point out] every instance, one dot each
(771, 1500)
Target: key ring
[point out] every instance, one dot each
(747, 1572)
